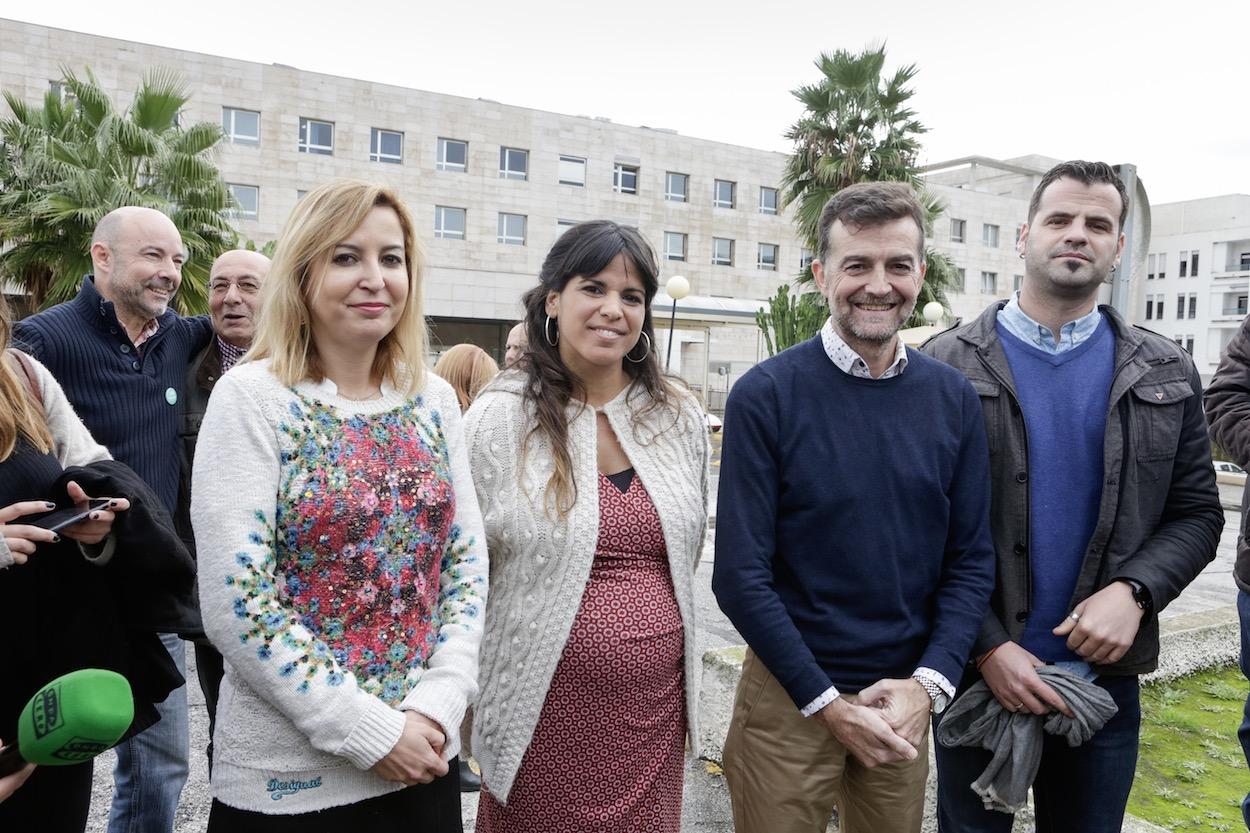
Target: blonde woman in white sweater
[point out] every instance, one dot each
(341, 556)
(591, 469)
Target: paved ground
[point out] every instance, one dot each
(706, 805)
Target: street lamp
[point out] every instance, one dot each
(677, 288)
(933, 312)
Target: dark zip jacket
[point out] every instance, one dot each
(1228, 408)
(1159, 519)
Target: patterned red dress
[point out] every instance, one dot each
(607, 754)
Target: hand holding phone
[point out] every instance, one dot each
(95, 526)
(58, 519)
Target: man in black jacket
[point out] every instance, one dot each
(234, 283)
(1228, 409)
(1104, 499)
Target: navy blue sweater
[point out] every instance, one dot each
(127, 398)
(852, 527)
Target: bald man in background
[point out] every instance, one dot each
(122, 355)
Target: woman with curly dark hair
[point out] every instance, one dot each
(591, 469)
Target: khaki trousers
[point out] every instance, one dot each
(786, 773)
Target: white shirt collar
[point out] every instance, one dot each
(850, 362)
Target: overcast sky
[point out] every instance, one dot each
(1163, 85)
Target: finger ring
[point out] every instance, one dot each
(1074, 616)
(1019, 705)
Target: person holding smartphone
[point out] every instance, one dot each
(55, 613)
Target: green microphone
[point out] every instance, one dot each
(70, 720)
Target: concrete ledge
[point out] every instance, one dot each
(1188, 643)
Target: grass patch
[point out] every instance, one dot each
(1191, 775)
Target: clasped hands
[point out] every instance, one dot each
(417, 757)
(886, 723)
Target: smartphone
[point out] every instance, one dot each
(58, 519)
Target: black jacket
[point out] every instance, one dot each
(1228, 408)
(1160, 518)
(151, 571)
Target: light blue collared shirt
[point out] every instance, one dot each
(1071, 335)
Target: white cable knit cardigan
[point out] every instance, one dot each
(539, 566)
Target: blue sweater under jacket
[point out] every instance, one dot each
(852, 527)
(127, 398)
(1064, 399)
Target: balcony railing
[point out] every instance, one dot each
(1238, 310)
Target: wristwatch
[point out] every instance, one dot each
(1141, 594)
(938, 699)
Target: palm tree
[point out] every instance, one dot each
(858, 127)
(64, 165)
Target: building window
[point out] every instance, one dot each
(248, 199)
(989, 283)
(1189, 345)
(386, 146)
(316, 137)
(512, 229)
(1160, 303)
(1245, 262)
(300, 194)
(767, 257)
(959, 229)
(514, 163)
(963, 280)
(1180, 305)
(62, 91)
(676, 187)
(989, 235)
(242, 127)
(1184, 269)
(674, 245)
(1150, 307)
(449, 223)
(1193, 264)
(723, 193)
(722, 252)
(562, 223)
(1193, 305)
(768, 200)
(1163, 265)
(573, 171)
(806, 256)
(625, 178)
(1016, 282)
(1150, 267)
(453, 155)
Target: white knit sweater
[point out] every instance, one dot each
(540, 566)
(342, 574)
(73, 444)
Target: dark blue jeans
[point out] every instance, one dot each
(1243, 734)
(1081, 790)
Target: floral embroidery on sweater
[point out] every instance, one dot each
(363, 533)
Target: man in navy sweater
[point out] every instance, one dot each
(122, 356)
(853, 550)
(1105, 503)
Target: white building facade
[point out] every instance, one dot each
(1197, 278)
(491, 186)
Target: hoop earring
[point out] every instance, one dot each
(547, 332)
(644, 355)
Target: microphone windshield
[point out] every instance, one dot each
(75, 717)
